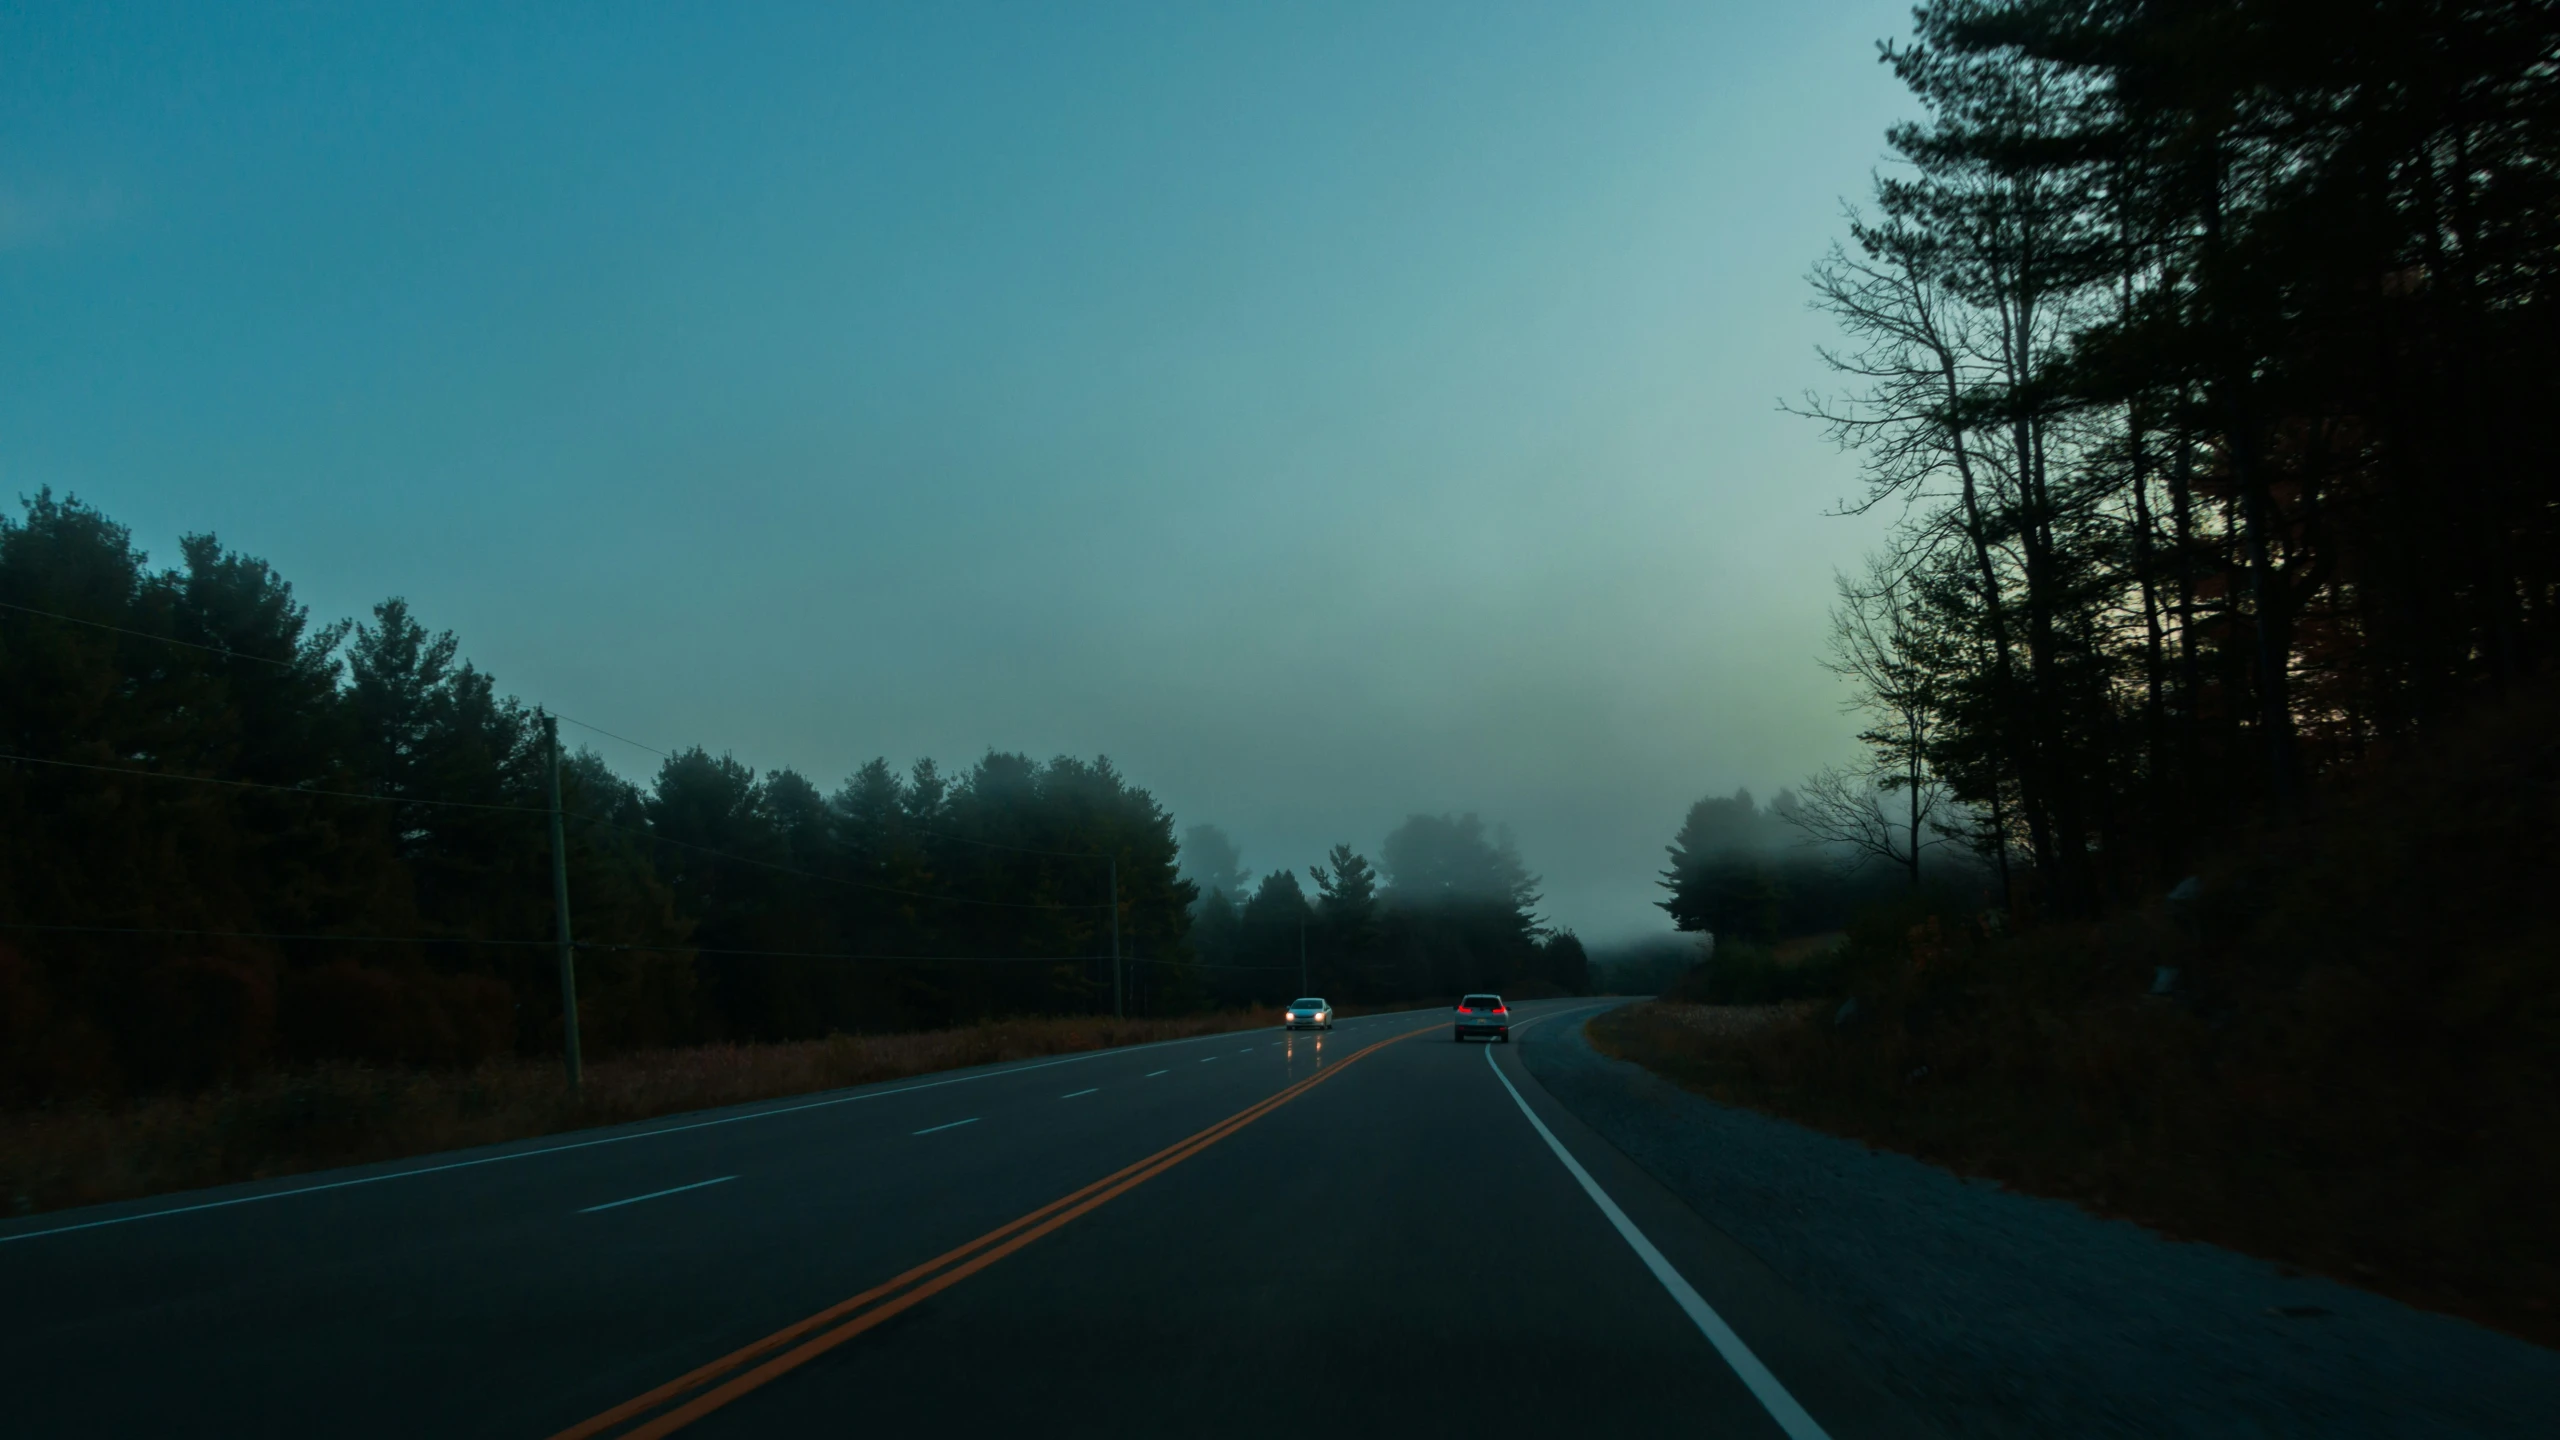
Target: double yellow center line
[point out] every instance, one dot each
(794, 1345)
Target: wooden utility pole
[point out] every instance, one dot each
(560, 908)
(1117, 1012)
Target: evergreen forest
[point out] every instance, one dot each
(234, 839)
(2202, 354)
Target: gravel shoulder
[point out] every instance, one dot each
(1998, 1314)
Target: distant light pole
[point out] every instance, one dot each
(1118, 1012)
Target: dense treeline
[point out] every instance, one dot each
(1449, 908)
(2202, 352)
(232, 839)
(1740, 872)
(2205, 349)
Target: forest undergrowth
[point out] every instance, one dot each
(2342, 1055)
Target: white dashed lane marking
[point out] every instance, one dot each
(654, 1194)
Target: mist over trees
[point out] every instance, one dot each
(2197, 349)
(2205, 352)
(1449, 908)
(232, 839)
(1743, 873)
(1213, 865)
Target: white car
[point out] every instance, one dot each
(1308, 1014)
(1484, 1015)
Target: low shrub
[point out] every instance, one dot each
(2343, 1052)
(1741, 973)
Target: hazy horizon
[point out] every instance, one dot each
(1328, 415)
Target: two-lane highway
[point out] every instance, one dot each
(1376, 1227)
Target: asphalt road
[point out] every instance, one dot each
(1238, 1234)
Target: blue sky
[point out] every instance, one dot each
(1327, 411)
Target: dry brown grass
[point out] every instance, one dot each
(2356, 1073)
(1720, 1022)
(1808, 947)
(2328, 1130)
(354, 1114)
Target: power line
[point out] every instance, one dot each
(625, 739)
(845, 955)
(303, 661)
(174, 932)
(1014, 849)
(1202, 965)
(231, 654)
(909, 829)
(261, 785)
(832, 879)
(223, 651)
(523, 809)
(534, 810)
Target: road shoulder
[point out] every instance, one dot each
(1991, 1313)
(1813, 1357)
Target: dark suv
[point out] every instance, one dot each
(1484, 1015)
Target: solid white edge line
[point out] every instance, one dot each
(1764, 1387)
(654, 1194)
(609, 1139)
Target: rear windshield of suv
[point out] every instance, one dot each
(1481, 1002)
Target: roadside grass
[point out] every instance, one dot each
(1741, 973)
(2353, 1068)
(334, 1115)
